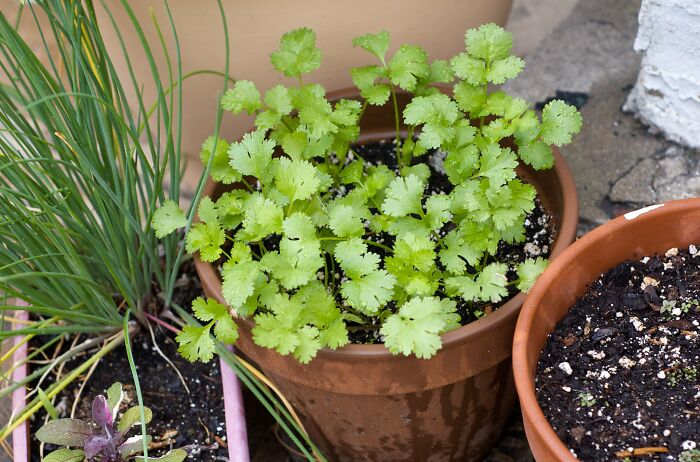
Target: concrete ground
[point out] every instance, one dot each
(584, 48)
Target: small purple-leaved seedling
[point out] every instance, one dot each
(102, 439)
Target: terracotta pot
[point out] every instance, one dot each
(647, 231)
(255, 28)
(362, 403)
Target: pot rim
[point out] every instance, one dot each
(523, 370)
(467, 333)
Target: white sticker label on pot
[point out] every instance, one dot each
(636, 213)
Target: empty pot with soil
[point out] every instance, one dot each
(606, 351)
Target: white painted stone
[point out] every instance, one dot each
(667, 93)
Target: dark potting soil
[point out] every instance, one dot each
(620, 374)
(193, 420)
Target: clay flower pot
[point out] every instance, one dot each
(647, 231)
(361, 402)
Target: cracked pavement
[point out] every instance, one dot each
(617, 163)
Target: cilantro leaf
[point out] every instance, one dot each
(299, 226)
(437, 113)
(559, 122)
(297, 179)
(225, 329)
(416, 328)
(345, 222)
(470, 98)
(238, 281)
(296, 262)
(207, 210)
(194, 343)
(221, 170)
(504, 69)
(297, 53)
(403, 196)
(365, 79)
(538, 154)
(368, 287)
(489, 42)
(459, 251)
(167, 218)
(471, 70)
(252, 155)
(528, 272)
(415, 250)
(492, 282)
(497, 164)
(278, 99)
(409, 63)
(244, 96)
(262, 217)
(207, 239)
(377, 44)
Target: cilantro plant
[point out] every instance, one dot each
(104, 438)
(313, 241)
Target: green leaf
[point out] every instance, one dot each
(528, 272)
(225, 329)
(489, 42)
(497, 164)
(416, 250)
(221, 171)
(344, 222)
(115, 396)
(441, 71)
(207, 211)
(469, 69)
(365, 78)
(369, 292)
(297, 179)
(437, 211)
(252, 155)
(559, 122)
(346, 112)
(176, 455)
(207, 239)
(238, 281)
(167, 218)
(64, 432)
(65, 455)
(278, 99)
(504, 69)
(403, 196)
(133, 445)
(409, 63)
(299, 226)
(538, 154)
(315, 112)
(263, 217)
(461, 163)
(527, 127)
(295, 264)
(416, 328)
(492, 281)
(297, 53)
(244, 96)
(352, 173)
(438, 113)
(464, 286)
(470, 98)
(132, 417)
(457, 252)
(230, 208)
(377, 44)
(195, 344)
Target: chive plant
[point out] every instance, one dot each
(81, 173)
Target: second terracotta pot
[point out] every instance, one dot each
(645, 232)
(362, 403)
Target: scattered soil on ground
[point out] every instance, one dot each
(621, 372)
